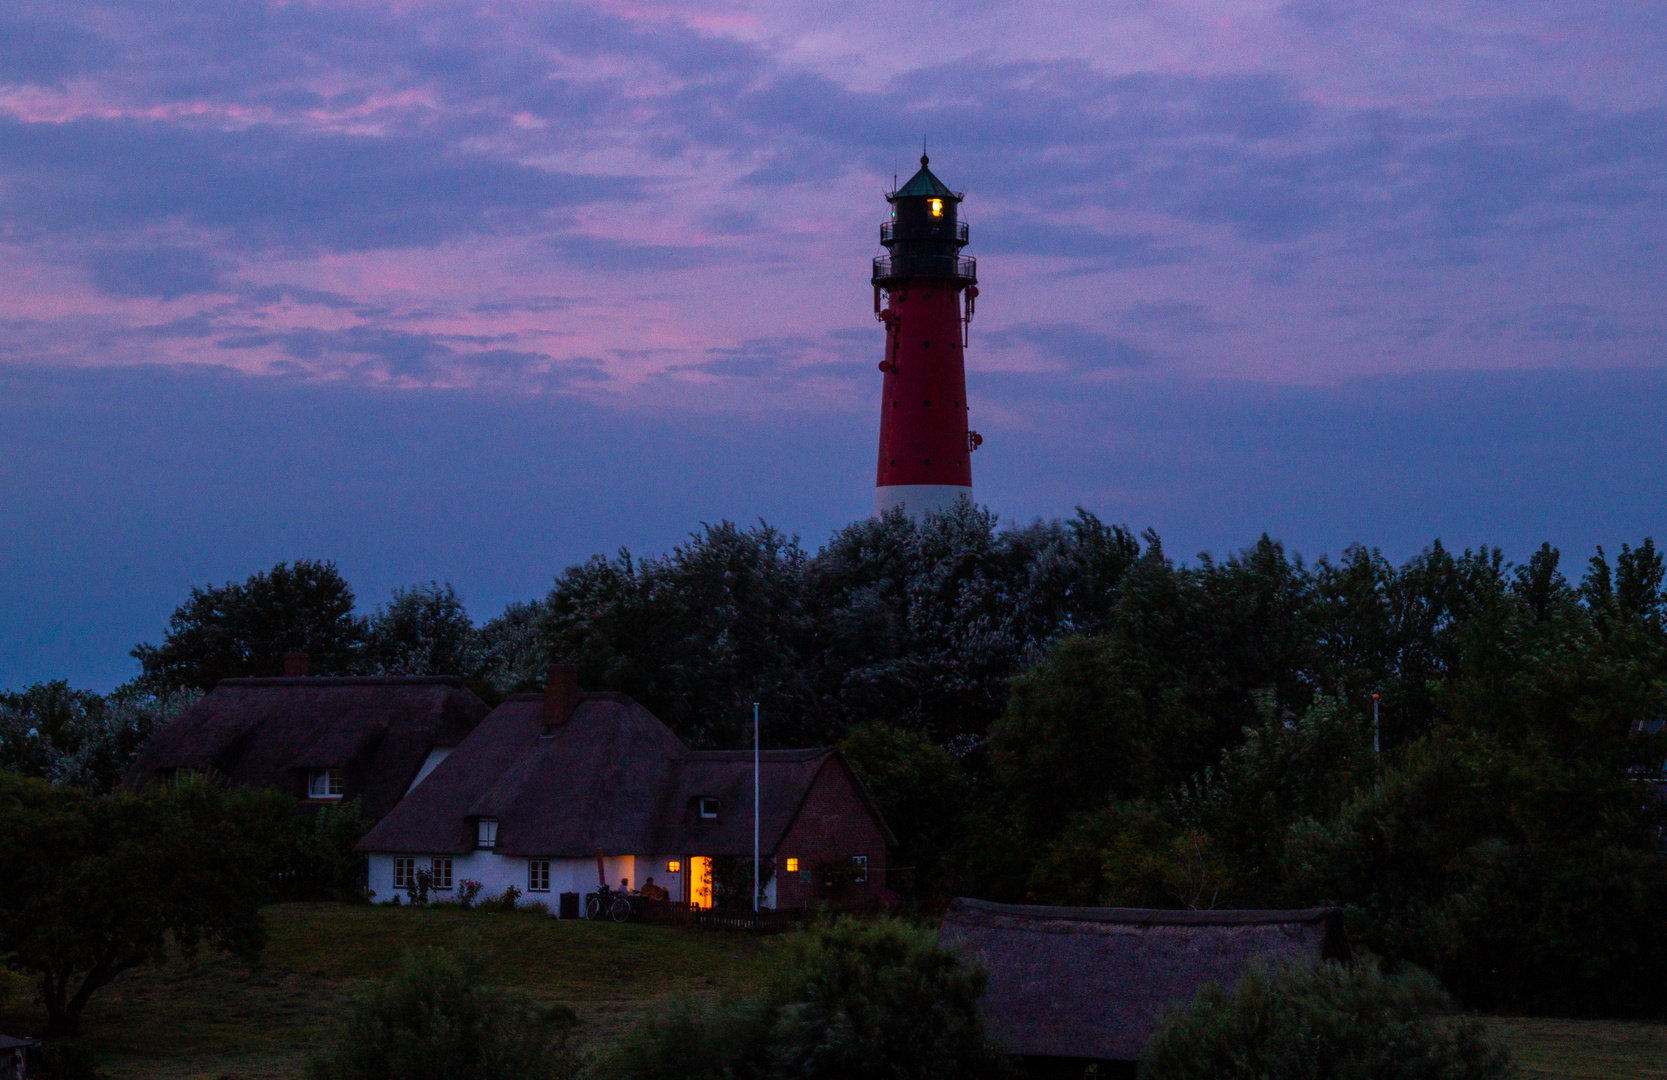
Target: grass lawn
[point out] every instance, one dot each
(218, 1019)
(1584, 1049)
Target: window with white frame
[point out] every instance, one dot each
(324, 784)
(861, 863)
(405, 873)
(486, 832)
(442, 873)
(709, 807)
(538, 875)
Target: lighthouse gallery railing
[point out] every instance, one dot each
(943, 266)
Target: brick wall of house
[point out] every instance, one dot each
(833, 825)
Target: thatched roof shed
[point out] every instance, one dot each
(1092, 984)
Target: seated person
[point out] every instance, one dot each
(651, 891)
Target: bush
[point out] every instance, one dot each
(881, 998)
(860, 999)
(438, 1018)
(697, 1040)
(505, 901)
(320, 863)
(1300, 1023)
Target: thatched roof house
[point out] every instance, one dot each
(553, 790)
(320, 739)
(1073, 986)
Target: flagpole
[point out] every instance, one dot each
(755, 808)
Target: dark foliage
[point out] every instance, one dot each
(423, 630)
(1327, 1021)
(317, 860)
(926, 798)
(1061, 712)
(96, 886)
(859, 999)
(244, 629)
(439, 1018)
(68, 736)
(918, 624)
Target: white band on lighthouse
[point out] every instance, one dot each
(919, 499)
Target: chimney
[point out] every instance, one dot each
(295, 665)
(561, 695)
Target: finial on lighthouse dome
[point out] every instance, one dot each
(925, 161)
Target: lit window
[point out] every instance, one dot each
(792, 866)
(674, 867)
(709, 808)
(486, 832)
(405, 872)
(324, 784)
(937, 207)
(538, 875)
(861, 862)
(442, 873)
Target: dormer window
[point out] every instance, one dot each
(324, 784)
(486, 832)
(709, 807)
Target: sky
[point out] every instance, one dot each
(471, 292)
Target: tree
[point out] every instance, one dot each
(317, 861)
(439, 1017)
(424, 630)
(96, 886)
(55, 732)
(1330, 1020)
(1287, 770)
(513, 647)
(697, 636)
(1128, 854)
(924, 797)
(243, 629)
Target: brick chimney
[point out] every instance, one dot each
(295, 665)
(561, 695)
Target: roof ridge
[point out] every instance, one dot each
(323, 681)
(801, 753)
(1150, 916)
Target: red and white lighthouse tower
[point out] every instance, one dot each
(925, 444)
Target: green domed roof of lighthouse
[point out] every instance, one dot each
(924, 184)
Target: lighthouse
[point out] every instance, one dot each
(919, 284)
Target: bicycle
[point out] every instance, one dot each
(613, 905)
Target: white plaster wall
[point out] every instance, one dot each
(497, 872)
(435, 756)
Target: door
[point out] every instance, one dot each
(700, 881)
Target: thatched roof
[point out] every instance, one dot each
(1096, 982)
(611, 777)
(269, 732)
